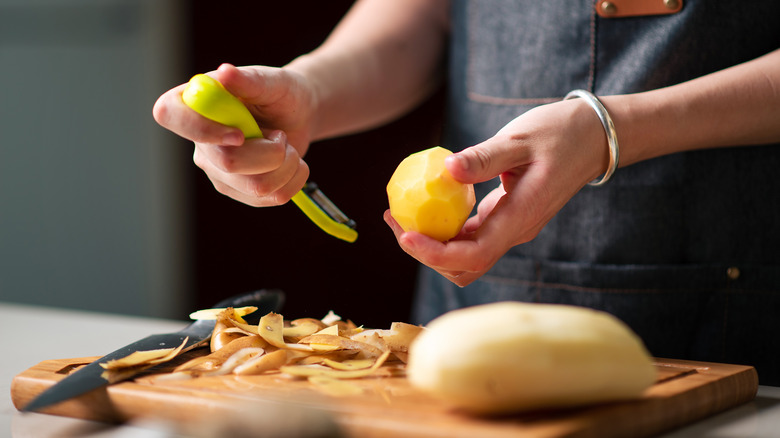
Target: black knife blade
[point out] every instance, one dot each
(90, 377)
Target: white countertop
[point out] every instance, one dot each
(33, 334)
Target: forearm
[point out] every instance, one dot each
(384, 58)
(734, 107)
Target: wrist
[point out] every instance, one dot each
(610, 132)
(303, 68)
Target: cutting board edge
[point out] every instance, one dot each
(118, 404)
(738, 385)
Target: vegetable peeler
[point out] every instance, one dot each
(209, 98)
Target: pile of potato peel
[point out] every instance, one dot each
(323, 351)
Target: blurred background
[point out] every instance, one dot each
(103, 210)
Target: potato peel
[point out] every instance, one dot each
(230, 325)
(331, 318)
(321, 341)
(120, 369)
(143, 358)
(302, 321)
(215, 312)
(301, 330)
(261, 364)
(326, 351)
(235, 360)
(271, 328)
(320, 357)
(320, 370)
(330, 330)
(348, 365)
(217, 358)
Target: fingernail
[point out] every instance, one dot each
(459, 161)
(233, 138)
(276, 136)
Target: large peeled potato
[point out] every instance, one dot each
(510, 356)
(426, 198)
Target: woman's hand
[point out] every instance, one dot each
(259, 172)
(543, 158)
(549, 153)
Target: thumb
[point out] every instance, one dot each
(486, 160)
(248, 84)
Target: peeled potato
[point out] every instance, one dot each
(510, 356)
(424, 196)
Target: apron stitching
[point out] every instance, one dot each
(495, 100)
(544, 285)
(538, 277)
(476, 97)
(592, 67)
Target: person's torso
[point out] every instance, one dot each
(688, 240)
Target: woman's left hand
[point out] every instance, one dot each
(543, 158)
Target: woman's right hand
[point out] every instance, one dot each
(262, 171)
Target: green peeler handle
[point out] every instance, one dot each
(322, 219)
(210, 99)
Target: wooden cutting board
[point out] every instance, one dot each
(389, 407)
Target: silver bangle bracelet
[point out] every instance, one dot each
(609, 128)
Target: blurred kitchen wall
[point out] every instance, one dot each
(92, 200)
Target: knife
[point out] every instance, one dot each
(90, 377)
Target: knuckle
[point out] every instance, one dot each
(258, 188)
(481, 264)
(197, 158)
(284, 194)
(483, 158)
(277, 153)
(220, 187)
(303, 168)
(436, 259)
(281, 197)
(461, 282)
(255, 202)
(225, 160)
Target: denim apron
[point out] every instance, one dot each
(684, 248)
